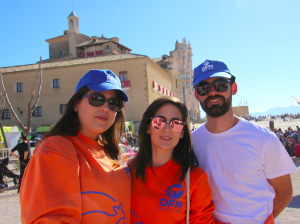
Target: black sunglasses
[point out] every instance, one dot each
(98, 100)
(219, 86)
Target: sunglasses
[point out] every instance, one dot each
(98, 100)
(219, 86)
(176, 125)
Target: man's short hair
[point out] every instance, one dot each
(289, 136)
(24, 138)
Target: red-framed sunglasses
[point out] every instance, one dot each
(98, 100)
(176, 125)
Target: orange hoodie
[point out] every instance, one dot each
(161, 199)
(70, 180)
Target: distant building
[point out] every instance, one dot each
(241, 111)
(73, 44)
(179, 66)
(73, 54)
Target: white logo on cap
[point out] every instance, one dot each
(207, 66)
(109, 77)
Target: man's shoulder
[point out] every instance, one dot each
(255, 128)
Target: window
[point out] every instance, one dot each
(6, 114)
(19, 87)
(55, 83)
(37, 112)
(71, 22)
(62, 108)
(123, 76)
(61, 53)
(76, 23)
(107, 46)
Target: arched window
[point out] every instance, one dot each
(71, 22)
(76, 23)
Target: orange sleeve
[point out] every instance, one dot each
(201, 204)
(50, 190)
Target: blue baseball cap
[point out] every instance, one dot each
(209, 69)
(101, 80)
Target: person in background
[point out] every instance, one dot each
(76, 175)
(23, 149)
(247, 166)
(290, 144)
(167, 185)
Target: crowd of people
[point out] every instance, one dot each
(215, 175)
(289, 138)
(284, 117)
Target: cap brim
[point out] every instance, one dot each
(107, 86)
(211, 75)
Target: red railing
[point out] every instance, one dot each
(125, 84)
(81, 55)
(90, 54)
(99, 52)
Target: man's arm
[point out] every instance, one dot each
(283, 193)
(25, 155)
(14, 154)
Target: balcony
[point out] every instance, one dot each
(99, 52)
(125, 85)
(81, 55)
(90, 54)
(154, 86)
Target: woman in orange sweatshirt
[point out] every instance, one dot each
(76, 175)
(163, 188)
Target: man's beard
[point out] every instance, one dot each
(216, 110)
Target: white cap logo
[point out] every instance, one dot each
(207, 66)
(110, 78)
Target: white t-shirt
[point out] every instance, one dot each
(238, 163)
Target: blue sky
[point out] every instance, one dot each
(258, 39)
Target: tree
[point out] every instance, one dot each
(2, 103)
(31, 107)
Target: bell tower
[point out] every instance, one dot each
(73, 21)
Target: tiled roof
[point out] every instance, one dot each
(99, 41)
(156, 59)
(73, 14)
(91, 42)
(72, 62)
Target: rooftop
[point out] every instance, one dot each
(72, 62)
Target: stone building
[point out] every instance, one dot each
(179, 66)
(72, 55)
(241, 111)
(73, 44)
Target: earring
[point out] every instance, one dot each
(75, 110)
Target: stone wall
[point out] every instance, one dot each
(57, 47)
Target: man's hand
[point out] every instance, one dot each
(283, 193)
(14, 154)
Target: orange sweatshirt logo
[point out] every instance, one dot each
(173, 204)
(117, 212)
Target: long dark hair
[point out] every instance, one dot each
(183, 153)
(69, 124)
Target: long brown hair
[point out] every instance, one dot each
(69, 125)
(183, 153)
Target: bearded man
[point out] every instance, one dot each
(247, 166)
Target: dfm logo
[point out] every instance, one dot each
(174, 192)
(127, 171)
(207, 66)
